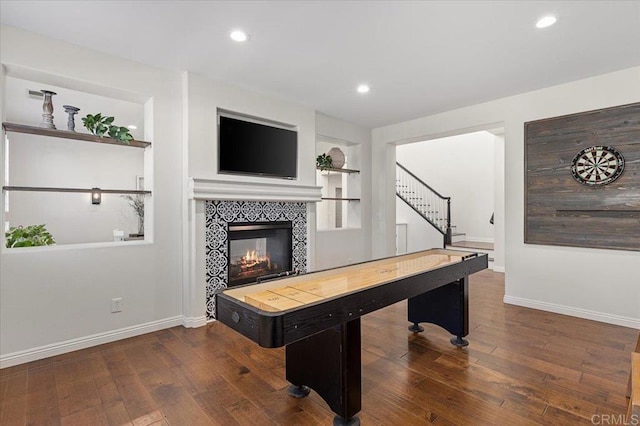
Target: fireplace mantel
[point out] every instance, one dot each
(216, 189)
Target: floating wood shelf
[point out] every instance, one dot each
(342, 199)
(332, 169)
(613, 213)
(65, 134)
(597, 210)
(84, 190)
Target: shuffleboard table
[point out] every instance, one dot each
(317, 316)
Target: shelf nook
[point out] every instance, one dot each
(341, 186)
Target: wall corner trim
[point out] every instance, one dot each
(574, 312)
(194, 322)
(66, 346)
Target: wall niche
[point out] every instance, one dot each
(50, 175)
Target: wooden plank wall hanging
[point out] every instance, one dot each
(582, 179)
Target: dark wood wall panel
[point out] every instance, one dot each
(561, 211)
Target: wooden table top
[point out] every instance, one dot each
(293, 292)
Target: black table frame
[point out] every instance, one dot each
(326, 334)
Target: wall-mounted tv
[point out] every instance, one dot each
(252, 148)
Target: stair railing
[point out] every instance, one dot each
(424, 200)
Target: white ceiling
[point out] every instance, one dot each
(420, 57)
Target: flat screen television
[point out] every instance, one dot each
(250, 148)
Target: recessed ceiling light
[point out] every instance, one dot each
(363, 88)
(132, 127)
(545, 22)
(239, 36)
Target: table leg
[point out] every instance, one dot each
(329, 362)
(446, 306)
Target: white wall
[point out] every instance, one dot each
(337, 247)
(498, 201)
(202, 98)
(56, 299)
(550, 278)
(206, 96)
(420, 234)
(460, 167)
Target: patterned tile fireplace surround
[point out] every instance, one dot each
(227, 201)
(220, 213)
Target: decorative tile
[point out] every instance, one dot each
(219, 213)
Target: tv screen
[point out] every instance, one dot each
(256, 149)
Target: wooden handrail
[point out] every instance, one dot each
(420, 180)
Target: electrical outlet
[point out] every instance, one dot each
(116, 305)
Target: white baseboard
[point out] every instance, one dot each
(498, 269)
(194, 322)
(457, 238)
(479, 240)
(59, 348)
(574, 312)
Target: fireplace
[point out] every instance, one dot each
(257, 249)
(220, 214)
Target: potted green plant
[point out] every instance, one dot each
(137, 204)
(99, 126)
(324, 162)
(28, 236)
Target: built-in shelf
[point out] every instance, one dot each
(65, 134)
(332, 169)
(84, 190)
(341, 199)
(600, 213)
(597, 210)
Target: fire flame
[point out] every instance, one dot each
(253, 257)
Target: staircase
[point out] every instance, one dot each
(426, 201)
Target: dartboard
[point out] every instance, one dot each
(597, 165)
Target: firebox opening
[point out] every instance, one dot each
(258, 249)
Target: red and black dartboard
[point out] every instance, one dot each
(597, 165)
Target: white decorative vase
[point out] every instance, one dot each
(337, 157)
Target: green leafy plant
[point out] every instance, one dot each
(120, 133)
(28, 236)
(99, 126)
(324, 162)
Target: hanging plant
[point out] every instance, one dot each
(99, 126)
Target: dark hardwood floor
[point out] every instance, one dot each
(522, 367)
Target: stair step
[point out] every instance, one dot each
(472, 250)
(458, 236)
